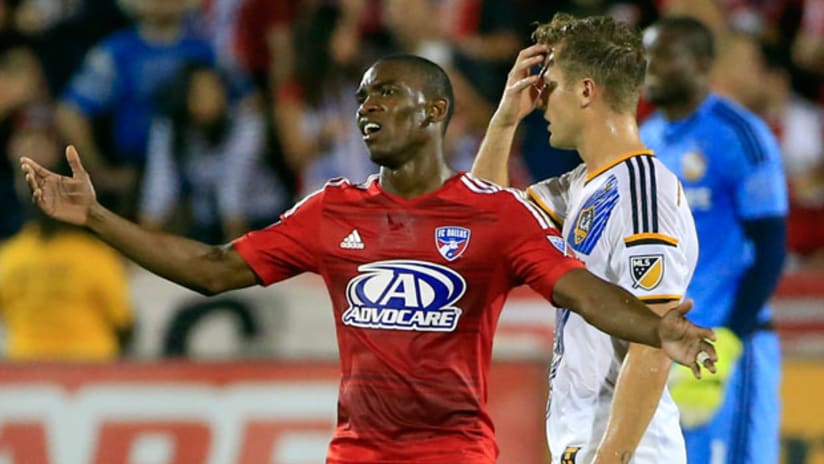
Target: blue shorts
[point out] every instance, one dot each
(746, 428)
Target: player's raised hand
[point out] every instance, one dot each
(523, 88)
(685, 342)
(68, 199)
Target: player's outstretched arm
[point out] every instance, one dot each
(519, 99)
(617, 312)
(200, 267)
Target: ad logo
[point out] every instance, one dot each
(404, 295)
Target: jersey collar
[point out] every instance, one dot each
(617, 161)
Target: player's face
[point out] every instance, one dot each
(391, 114)
(673, 71)
(560, 107)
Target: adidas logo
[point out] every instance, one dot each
(352, 241)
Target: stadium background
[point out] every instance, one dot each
(250, 376)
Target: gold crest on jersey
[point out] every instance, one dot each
(693, 166)
(646, 270)
(584, 224)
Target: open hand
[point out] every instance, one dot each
(523, 89)
(67, 199)
(685, 342)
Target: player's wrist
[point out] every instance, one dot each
(95, 216)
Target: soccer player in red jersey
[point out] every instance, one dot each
(418, 262)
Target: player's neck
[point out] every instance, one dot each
(680, 110)
(420, 175)
(609, 138)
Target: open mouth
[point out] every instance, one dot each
(370, 129)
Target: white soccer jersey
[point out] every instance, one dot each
(631, 225)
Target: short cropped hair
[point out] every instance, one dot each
(697, 36)
(608, 51)
(436, 83)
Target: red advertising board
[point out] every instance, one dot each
(214, 413)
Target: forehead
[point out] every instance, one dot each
(395, 72)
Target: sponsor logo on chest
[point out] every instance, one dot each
(404, 295)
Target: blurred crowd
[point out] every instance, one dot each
(210, 117)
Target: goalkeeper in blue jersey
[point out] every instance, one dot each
(730, 167)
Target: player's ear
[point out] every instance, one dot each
(586, 91)
(437, 110)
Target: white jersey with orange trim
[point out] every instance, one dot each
(631, 225)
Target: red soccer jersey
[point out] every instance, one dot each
(417, 287)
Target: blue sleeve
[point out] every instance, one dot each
(768, 236)
(760, 188)
(93, 88)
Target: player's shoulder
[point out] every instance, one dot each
(647, 193)
(738, 130)
(510, 203)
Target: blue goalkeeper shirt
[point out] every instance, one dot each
(729, 164)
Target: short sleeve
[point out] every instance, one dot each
(655, 266)
(288, 247)
(759, 185)
(537, 253)
(93, 89)
(552, 195)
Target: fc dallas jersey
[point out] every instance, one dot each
(417, 286)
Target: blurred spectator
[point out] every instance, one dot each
(262, 42)
(758, 76)
(63, 293)
(119, 79)
(808, 48)
(209, 145)
(21, 84)
(315, 110)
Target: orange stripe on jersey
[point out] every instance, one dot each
(615, 162)
(552, 214)
(649, 238)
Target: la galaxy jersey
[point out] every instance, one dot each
(631, 224)
(730, 166)
(417, 286)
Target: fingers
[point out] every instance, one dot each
(33, 167)
(521, 84)
(711, 357)
(74, 161)
(528, 57)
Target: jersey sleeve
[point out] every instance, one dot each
(93, 88)
(552, 196)
(288, 247)
(654, 259)
(537, 253)
(759, 184)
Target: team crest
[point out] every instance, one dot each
(647, 270)
(569, 454)
(584, 224)
(452, 241)
(693, 166)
